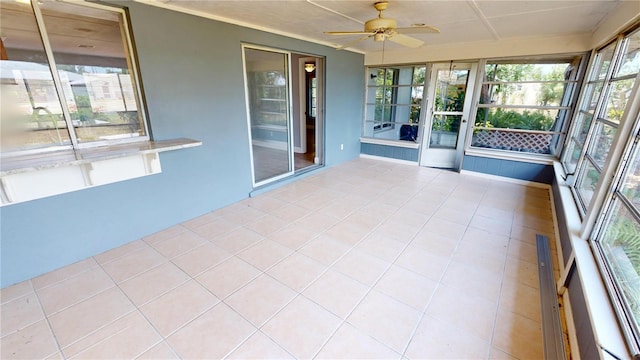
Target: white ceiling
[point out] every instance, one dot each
(459, 21)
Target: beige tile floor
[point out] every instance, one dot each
(369, 259)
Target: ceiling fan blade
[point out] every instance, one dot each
(349, 32)
(426, 29)
(355, 42)
(405, 40)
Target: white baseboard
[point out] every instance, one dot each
(397, 161)
(507, 179)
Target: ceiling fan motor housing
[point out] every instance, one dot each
(379, 24)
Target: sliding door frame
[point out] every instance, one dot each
(290, 145)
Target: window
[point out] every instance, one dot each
(68, 78)
(394, 101)
(603, 150)
(618, 244)
(524, 105)
(604, 101)
(312, 95)
(386, 96)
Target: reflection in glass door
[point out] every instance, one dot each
(448, 113)
(267, 91)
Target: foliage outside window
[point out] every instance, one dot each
(394, 101)
(611, 81)
(92, 95)
(523, 106)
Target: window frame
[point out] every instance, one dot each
(578, 174)
(571, 87)
(597, 122)
(383, 126)
(136, 83)
(607, 198)
(630, 330)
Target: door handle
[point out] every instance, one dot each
(464, 120)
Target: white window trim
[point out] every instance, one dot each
(136, 83)
(514, 155)
(602, 316)
(589, 140)
(421, 121)
(600, 300)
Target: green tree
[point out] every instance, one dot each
(506, 73)
(551, 92)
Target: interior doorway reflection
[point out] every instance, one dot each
(307, 119)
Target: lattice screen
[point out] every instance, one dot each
(516, 141)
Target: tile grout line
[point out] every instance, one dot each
(66, 277)
(300, 293)
(387, 267)
(501, 288)
(439, 283)
(46, 318)
(497, 307)
(139, 311)
(371, 288)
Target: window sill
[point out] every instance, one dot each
(396, 143)
(34, 176)
(511, 155)
(603, 317)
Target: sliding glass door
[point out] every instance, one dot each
(268, 108)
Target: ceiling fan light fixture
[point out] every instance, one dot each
(384, 28)
(379, 37)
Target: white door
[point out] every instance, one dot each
(448, 106)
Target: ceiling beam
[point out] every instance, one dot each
(335, 12)
(476, 9)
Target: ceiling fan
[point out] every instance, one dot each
(382, 28)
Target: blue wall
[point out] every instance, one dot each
(191, 70)
(509, 168)
(394, 152)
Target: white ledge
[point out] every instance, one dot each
(543, 159)
(10, 165)
(35, 176)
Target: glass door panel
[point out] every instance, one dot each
(449, 109)
(444, 131)
(267, 81)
